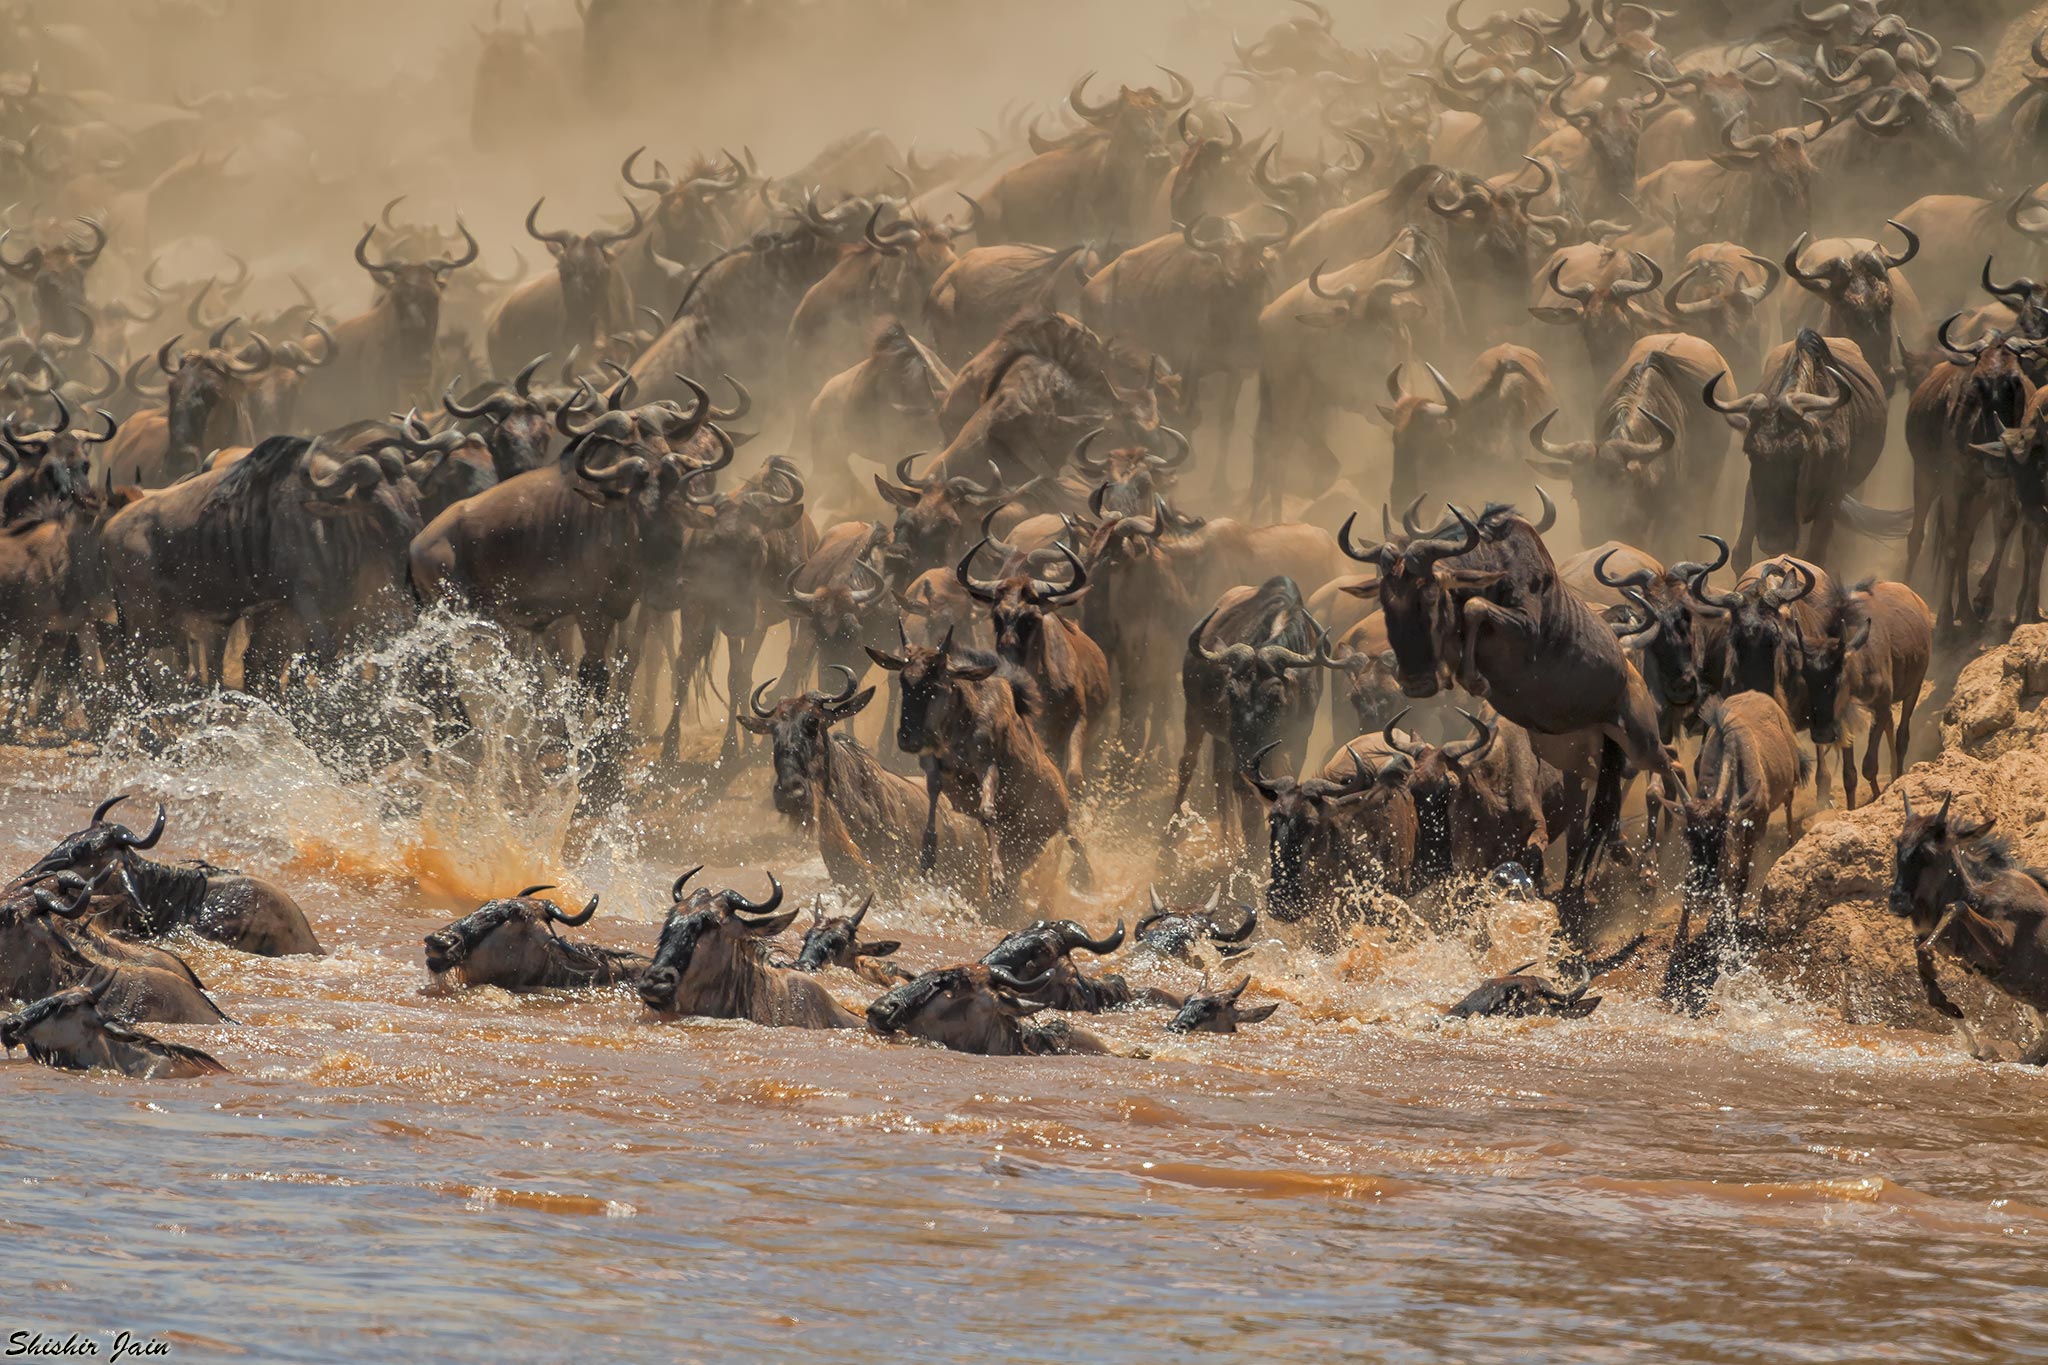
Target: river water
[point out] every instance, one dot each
(394, 1173)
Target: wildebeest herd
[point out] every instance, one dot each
(1005, 385)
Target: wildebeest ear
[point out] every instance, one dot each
(754, 724)
(1982, 827)
(1258, 1013)
(1386, 412)
(1471, 580)
(902, 497)
(882, 949)
(888, 661)
(1365, 592)
(1556, 317)
(854, 704)
(973, 672)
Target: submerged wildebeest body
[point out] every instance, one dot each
(44, 949)
(512, 944)
(141, 898)
(979, 1009)
(67, 1031)
(711, 961)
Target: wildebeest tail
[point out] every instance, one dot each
(1879, 523)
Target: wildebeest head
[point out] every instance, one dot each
(509, 943)
(1856, 286)
(710, 928)
(513, 418)
(56, 277)
(801, 729)
(1934, 859)
(593, 292)
(1437, 777)
(1517, 996)
(2019, 458)
(1301, 816)
(936, 513)
(840, 608)
(1262, 671)
(1426, 429)
(975, 1008)
(1499, 86)
(99, 843)
(1623, 480)
(413, 289)
(206, 393)
(1659, 625)
(1019, 602)
(1723, 300)
(1612, 129)
(835, 941)
(1780, 171)
(929, 675)
(1135, 121)
(1129, 478)
(1758, 644)
(1173, 932)
(1034, 949)
(1608, 316)
(60, 457)
(1418, 597)
(1241, 258)
(688, 219)
(1494, 225)
(1722, 99)
(1219, 1012)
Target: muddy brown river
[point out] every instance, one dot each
(395, 1173)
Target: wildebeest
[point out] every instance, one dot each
(1219, 1012)
(1485, 607)
(386, 354)
(711, 961)
(1965, 896)
(1479, 802)
(1251, 679)
(1173, 932)
(1517, 995)
(979, 1009)
(1813, 434)
(1069, 668)
(1874, 656)
(289, 527)
(147, 899)
(67, 1031)
(966, 718)
(835, 941)
(45, 949)
(512, 944)
(1331, 837)
(868, 820)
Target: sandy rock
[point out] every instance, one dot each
(1996, 707)
(1828, 932)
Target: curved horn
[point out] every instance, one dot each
(575, 921)
(156, 832)
(741, 905)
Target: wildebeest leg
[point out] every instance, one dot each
(1985, 600)
(694, 643)
(1745, 540)
(1956, 572)
(1923, 959)
(593, 670)
(1190, 754)
(1602, 818)
(1847, 749)
(1226, 780)
(739, 685)
(1820, 536)
(2032, 543)
(928, 852)
(1926, 488)
(1881, 733)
